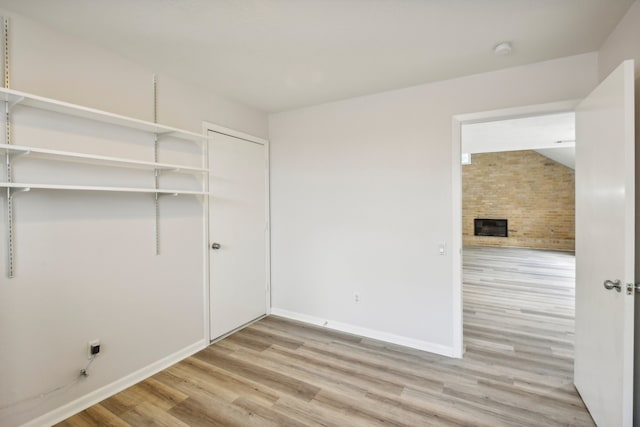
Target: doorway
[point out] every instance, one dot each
(518, 213)
(605, 232)
(471, 119)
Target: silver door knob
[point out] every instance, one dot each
(215, 246)
(610, 284)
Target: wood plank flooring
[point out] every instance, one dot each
(516, 371)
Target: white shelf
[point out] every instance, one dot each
(97, 159)
(23, 186)
(15, 97)
(13, 152)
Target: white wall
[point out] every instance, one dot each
(53, 65)
(361, 198)
(85, 262)
(623, 43)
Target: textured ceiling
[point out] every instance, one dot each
(281, 54)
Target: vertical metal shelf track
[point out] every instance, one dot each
(7, 138)
(156, 172)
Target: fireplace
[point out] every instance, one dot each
(490, 227)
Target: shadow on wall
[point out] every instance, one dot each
(533, 193)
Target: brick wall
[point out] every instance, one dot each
(533, 192)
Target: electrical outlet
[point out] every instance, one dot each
(93, 348)
(356, 297)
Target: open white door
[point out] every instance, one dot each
(605, 234)
(237, 232)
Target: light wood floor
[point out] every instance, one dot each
(517, 368)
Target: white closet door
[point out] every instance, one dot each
(237, 232)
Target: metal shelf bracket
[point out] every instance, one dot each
(162, 136)
(15, 102)
(14, 156)
(13, 191)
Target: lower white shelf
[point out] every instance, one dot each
(96, 159)
(27, 187)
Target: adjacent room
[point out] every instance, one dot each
(518, 215)
(255, 213)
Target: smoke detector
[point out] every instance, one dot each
(503, 49)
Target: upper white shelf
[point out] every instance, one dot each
(28, 187)
(97, 159)
(15, 97)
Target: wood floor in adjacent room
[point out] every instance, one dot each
(517, 368)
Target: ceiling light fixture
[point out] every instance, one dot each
(503, 49)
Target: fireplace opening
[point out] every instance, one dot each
(490, 227)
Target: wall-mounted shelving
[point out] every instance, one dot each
(14, 97)
(28, 187)
(20, 150)
(15, 155)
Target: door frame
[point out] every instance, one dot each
(212, 127)
(456, 151)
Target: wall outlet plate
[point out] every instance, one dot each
(90, 348)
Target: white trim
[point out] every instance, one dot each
(456, 193)
(212, 127)
(518, 112)
(234, 133)
(206, 242)
(267, 183)
(90, 399)
(365, 332)
(456, 239)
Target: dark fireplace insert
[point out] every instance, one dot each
(490, 227)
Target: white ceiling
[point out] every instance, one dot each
(551, 135)
(562, 155)
(526, 133)
(282, 54)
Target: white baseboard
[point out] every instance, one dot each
(365, 332)
(82, 403)
(102, 393)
